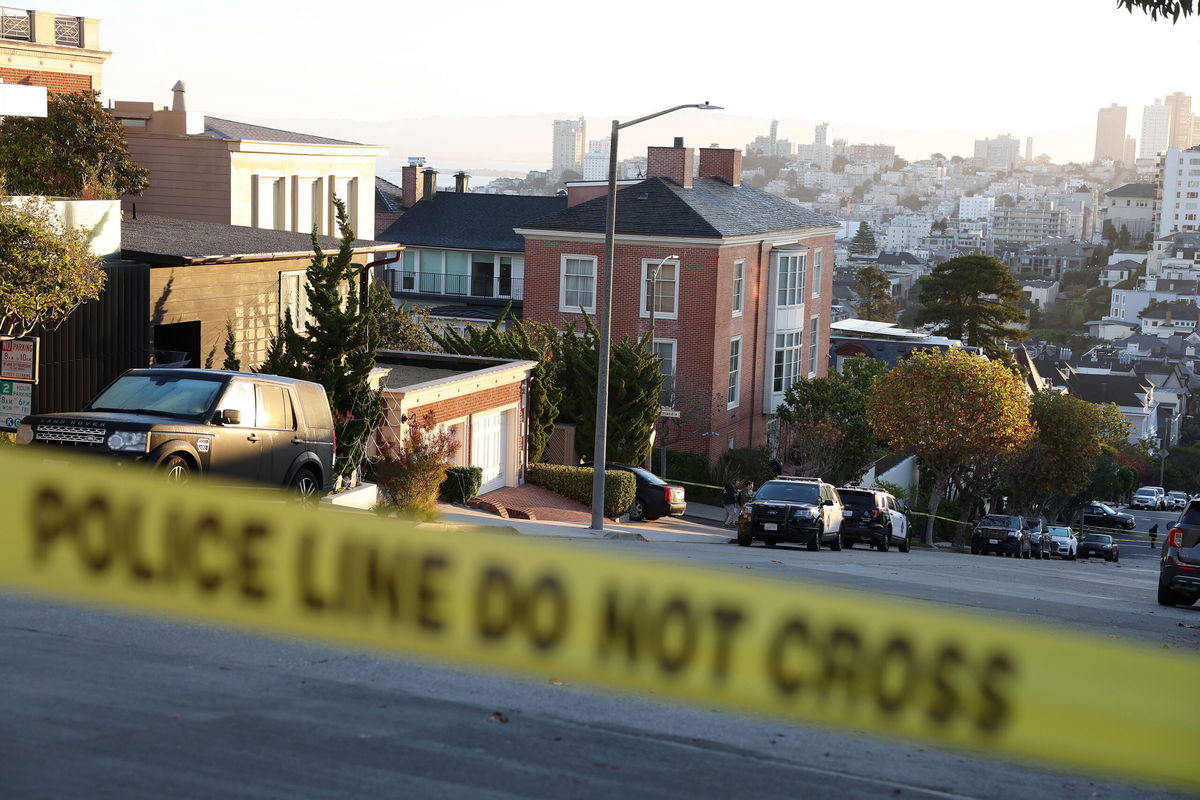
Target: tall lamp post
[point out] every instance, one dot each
(600, 451)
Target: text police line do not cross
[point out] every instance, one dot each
(804, 651)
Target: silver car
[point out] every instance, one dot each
(1177, 501)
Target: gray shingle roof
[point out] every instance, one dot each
(467, 221)
(170, 241)
(388, 197)
(712, 208)
(243, 131)
(1120, 389)
(1145, 190)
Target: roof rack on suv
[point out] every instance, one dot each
(795, 478)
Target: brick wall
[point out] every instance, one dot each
(55, 82)
(676, 163)
(703, 329)
(473, 403)
(723, 163)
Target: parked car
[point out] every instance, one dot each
(1177, 501)
(872, 516)
(1065, 543)
(1001, 533)
(1099, 545)
(1041, 543)
(1162, 495)
(1179, 566)
(653, 496)
(791, 509)
(1099, 515)
(1147, 498)
(193, 421)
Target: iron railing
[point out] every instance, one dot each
(402, 282)
(16, 23)
(68, 31)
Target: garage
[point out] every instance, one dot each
(488, 437)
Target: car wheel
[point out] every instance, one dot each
(1166, 597)
(637, 511)
(307, 487)
(883, 545)
(815, 544)
(1116, 558)
(1108, 557)
(837, 543)
(176, 469)
(1027, 554)
(904, 546)
(744, 541)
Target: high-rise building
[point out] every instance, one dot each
(1029, 149)
(1110, 133)
(569, 136)
(1179, 177)
(595, 160)
(1130, 152)
(1156, 129)
(820, 134)
(1181, 120)
(998, 154)
(770, 145)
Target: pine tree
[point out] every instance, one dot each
(863, 242)
(874, 292)
(232, 362)
(1123, 238)
(973, 298)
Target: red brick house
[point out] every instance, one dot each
(741, 312)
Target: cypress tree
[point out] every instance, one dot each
(232, 362)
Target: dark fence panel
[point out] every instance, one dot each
(97, 343)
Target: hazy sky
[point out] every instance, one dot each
(428, 78)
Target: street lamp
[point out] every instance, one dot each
(600, 451)
(1162, 460)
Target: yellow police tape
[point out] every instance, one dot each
(802, 650)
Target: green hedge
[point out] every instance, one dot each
(684, 466)
(702, 493)
(620, 487)
(461, 484)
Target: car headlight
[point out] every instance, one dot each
(127, 441)
(24, 434)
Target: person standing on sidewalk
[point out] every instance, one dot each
(1153, 534)
(730, 500)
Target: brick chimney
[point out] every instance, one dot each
(676, 163)
(411, 188)
(721, 162)
(461, 180)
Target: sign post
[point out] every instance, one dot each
(16, 401)
(19, 359)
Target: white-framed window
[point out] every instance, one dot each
(665, 350)
(790, 288)
(739, 285)
(814, 330)
(818, 266)
(665, 291)
(577, 284)
(787, 359)
(735, 371)
(293, 297)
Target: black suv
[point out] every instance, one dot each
(1179, 565)
(182, 421)
(872, 516)
(1099, 515)
(787, 509)
(653, 497)
(1001, 533)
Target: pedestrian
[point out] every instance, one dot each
(1153, 534)
(746, 494)
(730, 499)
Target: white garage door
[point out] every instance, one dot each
(487, 449)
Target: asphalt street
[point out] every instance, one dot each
(102, 705)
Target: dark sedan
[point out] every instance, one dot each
(1099, 545)
(654, 497)
(1099, 515)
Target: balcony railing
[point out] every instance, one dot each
(68, 31)
(403, 282)
(16, 24)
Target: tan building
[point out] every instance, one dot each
(217, 170)
(45, 48)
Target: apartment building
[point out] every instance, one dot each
(219, 170)
(741, 284)
(1156, 129)
(1132, 207)
(570, 135)
(1030, 221)
(1179, 204)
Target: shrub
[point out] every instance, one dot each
(411, 473)
(744, 464)
(461, 484)
(620, 487)
(702, 493)
(684, 466)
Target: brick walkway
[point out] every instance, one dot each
(536, 502)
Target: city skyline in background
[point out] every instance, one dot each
(475, 87)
